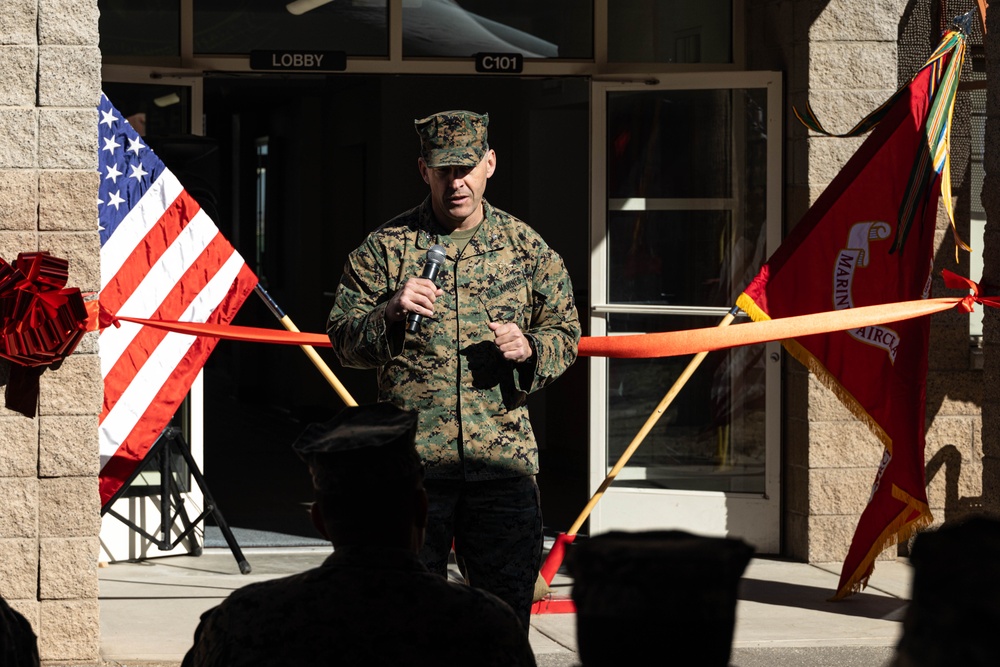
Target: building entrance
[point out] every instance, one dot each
(298, 171)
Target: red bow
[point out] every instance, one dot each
(41, 322)
(955, 281)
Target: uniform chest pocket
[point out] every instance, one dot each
(507, 297)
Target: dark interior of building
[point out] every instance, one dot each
(296, 171)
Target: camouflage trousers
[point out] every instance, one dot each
(496, 528)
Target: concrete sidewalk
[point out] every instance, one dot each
(149, 610)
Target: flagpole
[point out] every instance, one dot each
(317, 360)
(554, 559)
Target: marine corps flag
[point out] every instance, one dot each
(868, 240)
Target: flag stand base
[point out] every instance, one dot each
(171, 440)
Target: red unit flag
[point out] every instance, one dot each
(868, 240)
(162, 257)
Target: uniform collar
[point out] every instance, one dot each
(486, 239)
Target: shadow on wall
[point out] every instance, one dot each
(955, 380)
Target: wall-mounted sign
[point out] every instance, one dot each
(299, 61)
(511, 63)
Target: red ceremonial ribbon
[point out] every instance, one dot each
(42, 321)
(667, 344)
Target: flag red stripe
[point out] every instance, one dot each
(145, 255)
(170, 395)
(180, 297)
(133, 449)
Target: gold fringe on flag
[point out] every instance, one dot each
(899, 529)
(804, 357)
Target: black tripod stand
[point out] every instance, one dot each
(171, 440)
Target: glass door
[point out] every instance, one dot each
(686, 201)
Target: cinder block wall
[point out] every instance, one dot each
(843, 56)
(991, 268)
(49, 522)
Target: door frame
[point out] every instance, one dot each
(753, 517)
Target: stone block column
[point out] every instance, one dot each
(991, 267)
(50, 521)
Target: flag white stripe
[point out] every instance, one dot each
(149, 379)
(113, 341)
(156, 286)
(141, 391)
(137, 223)
(215, 290)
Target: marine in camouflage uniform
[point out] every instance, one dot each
(474, 434)
(371, 603)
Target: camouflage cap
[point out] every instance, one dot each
(453, 138)
(362, 446)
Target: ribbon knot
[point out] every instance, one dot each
(99, 317)
(955, 281)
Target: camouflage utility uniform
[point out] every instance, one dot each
(474, 425)
(366, 607)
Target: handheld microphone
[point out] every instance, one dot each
(435, 258)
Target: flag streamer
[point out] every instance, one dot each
(934, 148)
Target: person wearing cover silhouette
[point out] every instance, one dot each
(18, 643)
(372, 602)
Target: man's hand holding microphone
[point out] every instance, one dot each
(415, 301)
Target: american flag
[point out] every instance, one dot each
(162, 257)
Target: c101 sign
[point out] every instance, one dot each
(499, 62)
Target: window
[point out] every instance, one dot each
(357, 27)
(147, 28)
(552, 29)
(670, 31)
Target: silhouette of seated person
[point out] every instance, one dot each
(371, 602)
(663, 597)
(954, 610)
(18, 643)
